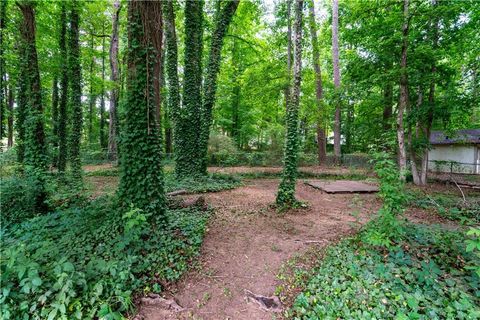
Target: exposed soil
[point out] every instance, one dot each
(247, 242)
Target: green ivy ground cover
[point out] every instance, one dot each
(425, 277)
(88, 263)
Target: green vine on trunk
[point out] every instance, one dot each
(75, 94)
(286, 190)
(141, 181)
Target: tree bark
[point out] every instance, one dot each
(75, 97)
(92, 96)
(114, 77)
(287, 92)
(213, 68)
(236, 90)
(412, 149)
(286, 190)
(62, 107)
(10, 118)
(387, 106)
(173, 99)
(35, 147)
(431, 102)
(55, 118)
(141, 181)
(336, 82)
(187, 153)
(321, 137)
(403, 103)
(103, 140)
(3, 86)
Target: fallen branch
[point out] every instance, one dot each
(177, 193)
(463, 195)
(199, 203)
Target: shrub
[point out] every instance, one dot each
(222, 150)
(18, 195)
(386, 228)
(86, 263)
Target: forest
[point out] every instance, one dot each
(239, 159)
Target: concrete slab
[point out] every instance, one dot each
(342, 186)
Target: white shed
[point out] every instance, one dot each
(457, 153)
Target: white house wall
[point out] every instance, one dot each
(444, 158)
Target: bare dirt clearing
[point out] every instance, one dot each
(247, 242)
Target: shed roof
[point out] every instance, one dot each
(471, 136)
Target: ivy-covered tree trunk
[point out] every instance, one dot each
(187, 154)
(35, 149)
(171, 67)
(286, 190)
(103, 140)
(3, 98)
(114, 77)
(336, 81)
(75, 97)
(21, 105)
(141, 181)
(55, 118)
(10, 117)
(92, 96)
(403, 103)
(321, 136)
(63, 99)
(213, 67)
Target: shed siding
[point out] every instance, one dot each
(464, 158)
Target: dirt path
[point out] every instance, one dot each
(247, 242)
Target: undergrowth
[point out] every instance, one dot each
(452, 207)
(425, 276)
(211, 183)
(87, 263)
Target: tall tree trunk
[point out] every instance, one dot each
(387, 106)
(412, 149)
(187, 160)
(35, 147)
(286, 91)
(336, 82)
(349, 129)
(141, 180)
(403, 103)
(321, 136)
(75, 93)
(21, 105)
(55, 118)
(3, 85)
(92, 95)
(211, 75)
(166, 121)
(236, 90)
(10, 118)
(157, 42)
(62, 107)
(431, 101)
(103, 140)
(286, 190)
(171, 68)
(114, 77)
